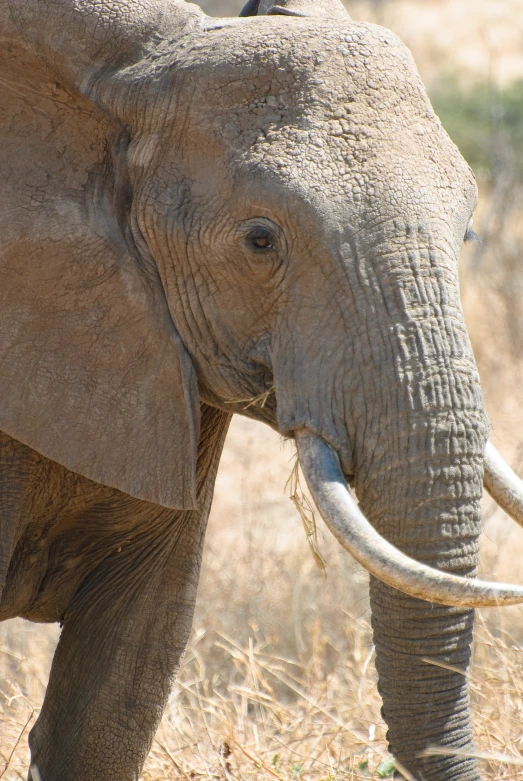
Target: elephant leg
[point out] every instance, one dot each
(123, 637)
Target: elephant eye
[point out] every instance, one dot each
(260, 239)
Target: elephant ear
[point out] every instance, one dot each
(93, 374)
(332, 9)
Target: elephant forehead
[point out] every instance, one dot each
(400, 161)
(298, 62)
(403, 157)
(319, 97)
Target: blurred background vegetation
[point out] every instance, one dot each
(278, 681)
(486, 122)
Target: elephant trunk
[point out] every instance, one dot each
(422, 655)
(426, 502)
(429, 507)
(422, 648)
(404, 412)
(417, 432)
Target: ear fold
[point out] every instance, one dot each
(93, 374)
(317, 8)
(81, 39)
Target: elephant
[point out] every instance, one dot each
(196, 211)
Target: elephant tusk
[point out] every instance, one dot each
(353, 531)
(504, 486)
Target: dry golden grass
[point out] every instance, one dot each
(278, 680)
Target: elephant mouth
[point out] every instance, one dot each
(328, 486)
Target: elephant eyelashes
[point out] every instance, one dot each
(260, 239)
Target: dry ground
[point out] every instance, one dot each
(278, 681)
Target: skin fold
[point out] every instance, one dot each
(195, 211)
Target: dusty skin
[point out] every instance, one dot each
(195, 212)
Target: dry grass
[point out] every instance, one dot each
(278, 681)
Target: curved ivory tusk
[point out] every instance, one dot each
(504, 486)
(353, 531)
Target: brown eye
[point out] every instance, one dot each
(260, 239)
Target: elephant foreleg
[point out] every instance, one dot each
(124, 634)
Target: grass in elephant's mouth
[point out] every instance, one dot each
(305, 509)
(254, 401)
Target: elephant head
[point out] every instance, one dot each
(204, 210)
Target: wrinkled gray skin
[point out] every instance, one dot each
(141, 144)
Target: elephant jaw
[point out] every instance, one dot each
(326, 482)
